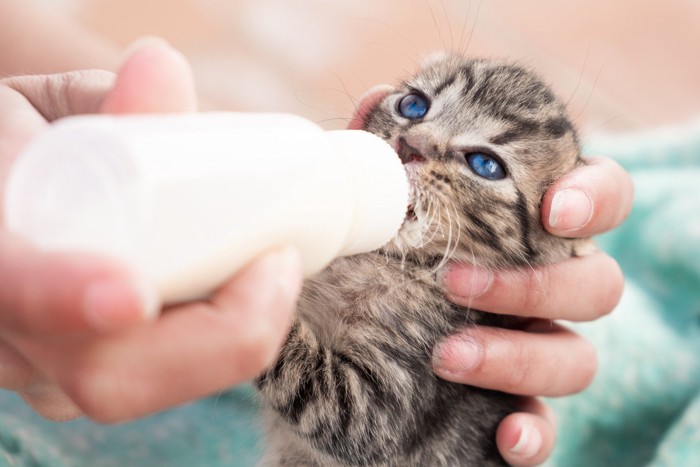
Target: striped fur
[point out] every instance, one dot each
(353, 385)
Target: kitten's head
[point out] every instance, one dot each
(481, 141)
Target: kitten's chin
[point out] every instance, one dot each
(410, 237)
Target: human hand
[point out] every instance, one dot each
(78, 334)
(545, 358)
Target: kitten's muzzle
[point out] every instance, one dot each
(408, 153)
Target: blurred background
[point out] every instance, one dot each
(622, 65)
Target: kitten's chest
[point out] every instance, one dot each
(373, 294)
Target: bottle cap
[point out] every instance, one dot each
(382, 190)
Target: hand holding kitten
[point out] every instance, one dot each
(545, 359)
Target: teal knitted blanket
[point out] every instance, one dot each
(643, 409)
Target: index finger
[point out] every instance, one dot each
(592, 199)
(542, 292)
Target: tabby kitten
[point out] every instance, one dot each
(481, 141)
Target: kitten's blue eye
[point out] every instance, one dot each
(486, 166)
(413, 106)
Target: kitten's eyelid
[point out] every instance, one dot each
(466, 150)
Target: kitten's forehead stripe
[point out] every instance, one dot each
(508, 137)
(445, 84)
(468, 76)
(520, 127)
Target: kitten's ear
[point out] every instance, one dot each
(368, 102)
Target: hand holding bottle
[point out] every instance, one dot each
(77, 332)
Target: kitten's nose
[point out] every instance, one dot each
(408, 153)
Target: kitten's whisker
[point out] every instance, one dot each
(591, 131)
(450, 225)
(431, 221)
(353, 100)
(471, 297)
(449, 249)
(449, 26)
(464, 28)
(580, 78)
(298, 94)
(447, 245)
(414, 49)
(333, 119)
(437, 27)
(471, 33)
(459, 230)
(590, 94)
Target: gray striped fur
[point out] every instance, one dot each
(353, 385)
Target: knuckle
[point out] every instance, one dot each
(29, 301)
(612, 289)
(536, 293)
(17, 376)
(617, 196)
(260, 348)
(49, 401)
(586, 367)
(517, 379)
(54, 103)
(91, 386)
(260, 343)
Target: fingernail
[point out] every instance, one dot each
(467, 281)
(108, 304)
(571, 210)
(529, 442)
(457, 356)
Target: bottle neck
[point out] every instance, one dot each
(381, 189)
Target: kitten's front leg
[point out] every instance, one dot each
(354, 410)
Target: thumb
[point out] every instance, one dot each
(154, 78)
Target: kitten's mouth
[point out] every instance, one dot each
(411, 214)
(409, 156)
